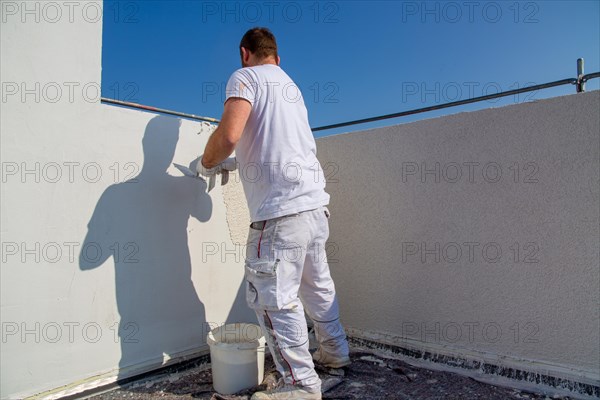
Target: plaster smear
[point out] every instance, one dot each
(238, 216)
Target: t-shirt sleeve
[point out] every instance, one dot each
(241, 85)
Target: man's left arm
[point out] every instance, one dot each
(223, 140)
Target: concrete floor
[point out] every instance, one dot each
(371, 376)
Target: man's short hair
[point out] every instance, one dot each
(261, 42)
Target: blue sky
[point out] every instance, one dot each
(351, 59)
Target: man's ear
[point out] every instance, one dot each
(278, 60)
(245, 55)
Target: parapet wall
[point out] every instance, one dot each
(474, 234)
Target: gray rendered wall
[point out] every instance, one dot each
(474, 234)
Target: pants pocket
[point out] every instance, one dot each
(261, 284)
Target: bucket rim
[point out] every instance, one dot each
(246, 345)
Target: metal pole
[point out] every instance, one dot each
(580, 81)
(158, 110)
(571, 81)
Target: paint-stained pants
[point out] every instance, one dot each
(287, 273)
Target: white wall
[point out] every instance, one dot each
(396, 231)
(160, 275)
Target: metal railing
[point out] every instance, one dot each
(572, 81)
(156, 109)
(579, 82)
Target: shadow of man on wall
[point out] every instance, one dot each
(142, 224)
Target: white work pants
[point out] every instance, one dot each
(287, 273)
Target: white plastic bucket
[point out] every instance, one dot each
(237, 354)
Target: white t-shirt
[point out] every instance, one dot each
(277, 159)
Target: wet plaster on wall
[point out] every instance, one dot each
(238, 216)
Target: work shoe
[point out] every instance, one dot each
(287, 392)
(330, 361)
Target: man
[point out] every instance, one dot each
(266, 122)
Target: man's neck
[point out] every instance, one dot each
(268, 60)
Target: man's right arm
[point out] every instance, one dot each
(223, 140)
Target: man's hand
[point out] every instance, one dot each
(230, 164)
(196, 166)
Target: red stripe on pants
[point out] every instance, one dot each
(280, 352)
